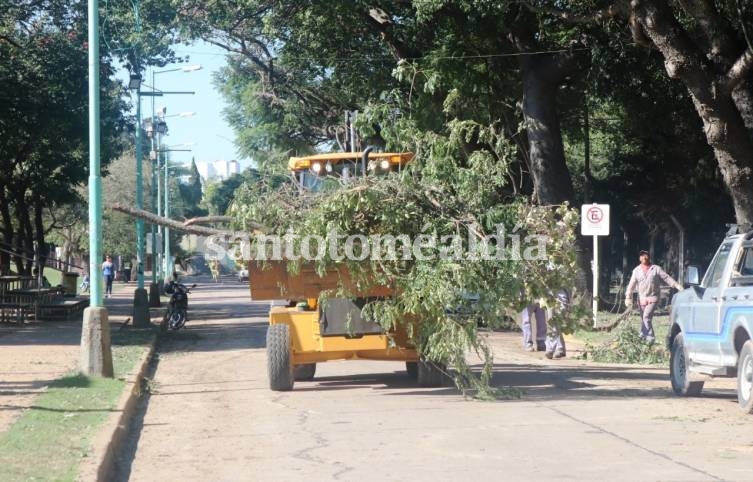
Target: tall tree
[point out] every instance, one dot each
(713, 59)
(43, 114)
(296, 68)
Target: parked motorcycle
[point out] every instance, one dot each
(176, 315)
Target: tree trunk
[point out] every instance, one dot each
(42, 251)
(25, 237)
(7, 231)
(713, 95)
(542, 76)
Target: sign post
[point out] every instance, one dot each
(594, 221)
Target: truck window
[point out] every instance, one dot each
(716, 269)
(745, 268)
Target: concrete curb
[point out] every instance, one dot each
(109, 438)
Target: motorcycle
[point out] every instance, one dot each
(176, 315)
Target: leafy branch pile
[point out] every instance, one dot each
(626, 346)
(440, 194)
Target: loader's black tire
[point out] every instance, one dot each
(679, 374)
(430, 374)
(745, 377)
(412, 368)
(304, 373)
(279, 361)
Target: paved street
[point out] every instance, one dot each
(210, 416)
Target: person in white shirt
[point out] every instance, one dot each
(647, 279)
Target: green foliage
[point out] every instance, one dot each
(220, 195)
(626, 346)
(191, 192)
(446, 195)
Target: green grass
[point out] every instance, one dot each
(54, 276)
(50, 439)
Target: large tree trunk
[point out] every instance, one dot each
(39, 232)
(721, 98)
(551, 177)
(8, 232)
(25, 237)
(542, 76)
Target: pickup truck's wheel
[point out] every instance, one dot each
(430, 374)
(279, 361)
(745, 377)
(304, 373)
(678, 370)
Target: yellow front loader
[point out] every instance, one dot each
(306, 332)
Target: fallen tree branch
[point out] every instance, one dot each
(177, 225)
(207, 219)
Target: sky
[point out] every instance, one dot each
(206, 133)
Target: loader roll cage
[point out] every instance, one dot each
(320, 172)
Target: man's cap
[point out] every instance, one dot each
(642, 252)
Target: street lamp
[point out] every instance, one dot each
(155, 172)
(140, 300)
(134, 83)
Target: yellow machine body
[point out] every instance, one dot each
(309, 346)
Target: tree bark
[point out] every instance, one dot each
(39, 231)
(7, 230)
(541, 76)
(713, 95)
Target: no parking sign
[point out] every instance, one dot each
(594, 220)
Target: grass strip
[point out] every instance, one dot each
(50, 439)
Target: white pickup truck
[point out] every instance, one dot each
(712, 323)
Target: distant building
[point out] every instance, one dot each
(217, 170)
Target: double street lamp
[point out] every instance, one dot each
(141, 302)
(161, 129)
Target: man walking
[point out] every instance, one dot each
(646, 279)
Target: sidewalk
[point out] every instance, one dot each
(34, 354)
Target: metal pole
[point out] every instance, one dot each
(154, 228)
(155, 199)
(595, 305)
(160, 229)
(96, 351)
(155, 135)
(139, 196)
(166, 230)
(95, 178)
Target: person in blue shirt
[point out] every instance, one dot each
(108, 271)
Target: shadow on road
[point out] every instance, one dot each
(536, 383)
(202, 337)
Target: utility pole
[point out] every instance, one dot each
(166, 230)
(96, 350)
(141, 316)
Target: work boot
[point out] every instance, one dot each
(559, 354)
